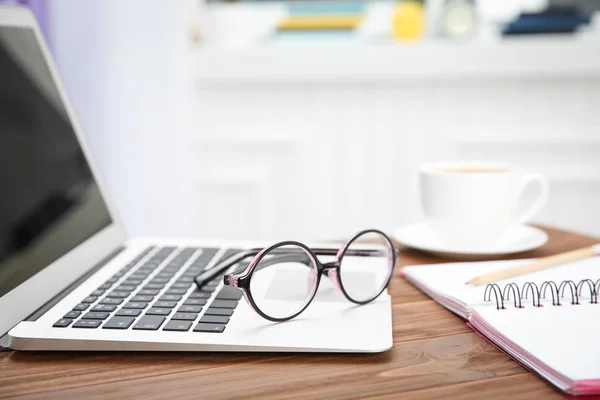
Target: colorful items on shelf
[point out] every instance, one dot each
(551, 21)
(458, 19)
(412, 20)
(444, 18)
(322, 16)
(408, 22)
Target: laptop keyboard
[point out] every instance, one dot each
(156, 291)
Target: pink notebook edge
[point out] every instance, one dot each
(578, 388)
(582, 387)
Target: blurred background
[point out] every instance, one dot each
(309, 119)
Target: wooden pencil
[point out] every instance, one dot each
(537, 265)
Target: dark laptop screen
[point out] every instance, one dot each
(49, 201)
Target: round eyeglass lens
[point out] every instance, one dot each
(366, 266)
(284, 281)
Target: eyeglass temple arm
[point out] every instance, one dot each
(218, 269)
(209, 274)
(286, 256)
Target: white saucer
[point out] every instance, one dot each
(421, 237)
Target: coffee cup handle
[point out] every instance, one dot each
(540, 202)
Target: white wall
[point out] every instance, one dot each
(125, 65)
(309, 144)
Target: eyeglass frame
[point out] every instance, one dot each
(241, 278)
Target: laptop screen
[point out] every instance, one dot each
(49, 201)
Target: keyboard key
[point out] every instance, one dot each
(87, 323)
(139, 276)
(62, 323)
(195, 302)
(118, 294)
(219, 311)
(149, 323)
(189, 309)
(96, 315)
(164, 304)
(89, 299)
(97, 292)
(81, 307)
(214, 319)
(170, 297)
(136, 304)
(143, 299)
(224, 304)
(72, 314)
(118, 323)
(207, 255)
(158, 311)
(104, 307)
(199, 295)
(111, 300)
(148, 292)
(131, 282)
(104, 286)
(185, 316)
(176, 291)
(180, 285)
(126, 288)
(154, 286)
(229, 293)
(202, 327)
(178, 326)
(160, 280)
(128, 312)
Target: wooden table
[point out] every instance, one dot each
(435, 354)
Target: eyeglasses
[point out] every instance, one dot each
(281, 281)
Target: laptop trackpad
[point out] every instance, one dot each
(283, 286)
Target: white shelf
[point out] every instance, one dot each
(539, 58)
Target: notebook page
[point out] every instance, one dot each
(550, 339)
(449, 279)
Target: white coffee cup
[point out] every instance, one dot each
(475, 204)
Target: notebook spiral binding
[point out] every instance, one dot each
(539, 292)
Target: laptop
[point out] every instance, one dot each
(71, 278)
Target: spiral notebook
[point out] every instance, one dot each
(549, 321)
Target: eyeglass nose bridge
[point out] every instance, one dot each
(330, 265)
(330, 270)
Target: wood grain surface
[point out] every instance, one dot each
(434, 355)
